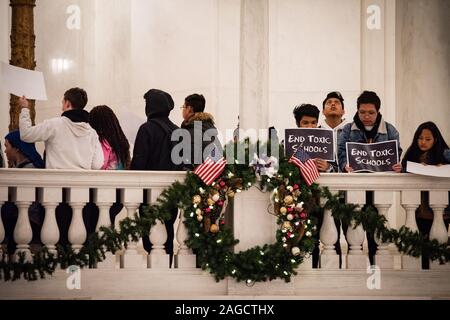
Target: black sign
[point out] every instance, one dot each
(374, 157)
(317, 142)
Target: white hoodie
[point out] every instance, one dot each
(68, 145)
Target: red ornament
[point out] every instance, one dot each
(220, 203)
(290, 209)
(303, 215)
(222, 221)
(295, 186)
(222, 184)
(208, 210)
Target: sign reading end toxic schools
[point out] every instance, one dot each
(374, 157)
(316, 142)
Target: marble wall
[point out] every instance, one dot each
(423, 66)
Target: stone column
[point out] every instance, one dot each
(22, 50)
(410, 201)
(356, 259)
(254, 61)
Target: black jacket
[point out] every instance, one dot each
(153, 145)
(206, 121)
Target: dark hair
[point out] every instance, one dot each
(435, 155)
(77, 98)
(305, 109)
(336, 95)
(105, 122)
(196, 101)
(369, 97)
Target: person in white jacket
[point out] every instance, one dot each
(70, 142)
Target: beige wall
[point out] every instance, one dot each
(126, 47)
(423, 66)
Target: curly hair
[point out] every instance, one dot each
(105, 122)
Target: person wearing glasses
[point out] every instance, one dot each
(195, 119)
(368, 126)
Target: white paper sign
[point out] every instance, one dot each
(23, 82)
(428, 170)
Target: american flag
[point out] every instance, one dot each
(307, 167)
(209, 170)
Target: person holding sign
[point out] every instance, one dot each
(70, 142)
(307, 116)
(428, 147)
(368, 127)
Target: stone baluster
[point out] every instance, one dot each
(356, 259)
(438, 202)
(185, 258)
(78, 197)
(410, 202)
(51, 198)
(328, 237)
(158, 258)
(22, 232)
(3, 199)
(104, 198)
(383, 258)
(131, 257)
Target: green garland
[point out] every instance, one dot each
(295, 204)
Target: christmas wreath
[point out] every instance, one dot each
(295, 203)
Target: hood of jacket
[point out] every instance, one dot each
(79, 129)
(158, 103)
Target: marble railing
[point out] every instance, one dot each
(396, 196)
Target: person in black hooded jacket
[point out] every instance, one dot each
(153, 148)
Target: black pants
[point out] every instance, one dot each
(424, 226)
(168, 245)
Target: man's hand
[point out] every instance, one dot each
(23, 103)
(348, 168)
(397, 167)
(321, 164)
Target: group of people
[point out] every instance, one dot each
(368, 126)
(95, 140)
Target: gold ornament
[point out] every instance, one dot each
(199, 218)
(214, 228)
(196, 199)
(230, 193)
(210, 202)
(283, 210)
(287, 225)
(288, 200)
